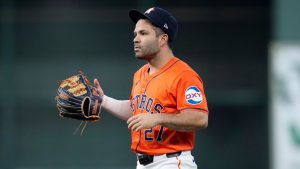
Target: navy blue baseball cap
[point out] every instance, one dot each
(159, 18)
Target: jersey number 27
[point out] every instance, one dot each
(159, 136)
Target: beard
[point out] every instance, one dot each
(146, 52)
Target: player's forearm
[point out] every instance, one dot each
(119, 108)
(184, 121)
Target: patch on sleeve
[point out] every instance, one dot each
(193, 95)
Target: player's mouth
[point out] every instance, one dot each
(136, 48)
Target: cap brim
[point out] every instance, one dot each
(135, 15)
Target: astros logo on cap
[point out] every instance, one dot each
(149, 10)
(193, 95)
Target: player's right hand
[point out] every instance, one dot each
(143, 121)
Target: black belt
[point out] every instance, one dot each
(145, 159)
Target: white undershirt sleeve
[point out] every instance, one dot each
(119, 108)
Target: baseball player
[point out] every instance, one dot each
(167, 102)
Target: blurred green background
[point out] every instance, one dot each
(45, 41)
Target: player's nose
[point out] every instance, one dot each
(136, 39)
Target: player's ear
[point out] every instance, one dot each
(164, 39)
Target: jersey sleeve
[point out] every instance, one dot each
(190, 92)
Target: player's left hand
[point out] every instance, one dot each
(142, 121)
(98, 91)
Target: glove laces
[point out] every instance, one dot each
(82, 125)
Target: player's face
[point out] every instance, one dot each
(146, 42)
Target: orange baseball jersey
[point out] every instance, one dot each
(173, 88)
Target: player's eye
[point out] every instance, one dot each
(143, 33)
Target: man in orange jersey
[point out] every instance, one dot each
(167, 102)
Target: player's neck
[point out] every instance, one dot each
(159, 61)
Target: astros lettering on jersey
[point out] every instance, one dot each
(173, 88)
